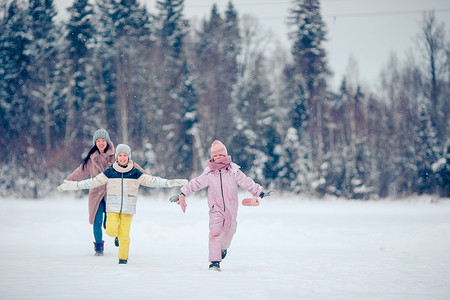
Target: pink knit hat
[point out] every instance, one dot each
(218, 148)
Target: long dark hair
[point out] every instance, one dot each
(85, 160)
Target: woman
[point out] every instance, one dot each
(99, 158)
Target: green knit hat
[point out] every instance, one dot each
(101, 134)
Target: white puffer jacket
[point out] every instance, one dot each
(122, 186)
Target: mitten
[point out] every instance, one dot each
(174, 199)
(68, 186)
(180, 200)
(176, 182)
(250, 202)
(182, 204)
(266, 194)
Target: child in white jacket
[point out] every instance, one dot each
(122, 181)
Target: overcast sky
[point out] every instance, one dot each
(366, 30)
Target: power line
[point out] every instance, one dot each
(387, 13)
(241, 4)
(255, 4)
(339, 15)
(368, 14)
(258, 3)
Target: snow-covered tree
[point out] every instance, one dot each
(441, 170)
(80, 93)
(176, 90)
(14, 75)
(123, 42)
(44, 60)
(427, 152)
(215, 52)
(256, 135)
(295, 172)
(309, 67)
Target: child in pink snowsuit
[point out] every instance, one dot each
(222, 177)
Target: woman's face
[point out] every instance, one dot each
(218, 156)
(101, 144)
(122, 159)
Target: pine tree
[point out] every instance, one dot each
(171, 32)
(104, 76)
(78, 61)
(427, 152)
(14, 76)
(294, 166)
(296, 169)
(206, 57)
(309, 68)
(256, 135)
(215, 56)
(124, 41)
(176, 89)
(231, 38)
(43, 68)
(189, 140)
(441, 170)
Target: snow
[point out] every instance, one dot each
(289, 247)
(439, 165)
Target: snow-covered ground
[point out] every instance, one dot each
(287, 248)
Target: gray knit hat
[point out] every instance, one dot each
(123, 148)
(101, 134)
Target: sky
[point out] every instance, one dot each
(365, 32)
(290, 247)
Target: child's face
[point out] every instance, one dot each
(218, 156)
(122, 159)
(101, 144)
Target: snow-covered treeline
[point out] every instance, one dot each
(169, 87)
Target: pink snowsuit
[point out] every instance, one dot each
(223, 203)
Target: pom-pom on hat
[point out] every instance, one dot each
(123, 148)
(218, 148)
(101, 134)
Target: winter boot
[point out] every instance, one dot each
(123, 261)
(116, 241)
(98, 246)
(224, 253)
(214, 265)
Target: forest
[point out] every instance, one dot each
(169, 88)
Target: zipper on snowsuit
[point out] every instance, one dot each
(221, 189)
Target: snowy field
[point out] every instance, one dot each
(286, 248)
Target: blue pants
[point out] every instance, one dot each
(98, 234)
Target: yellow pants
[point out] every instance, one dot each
(118, 224)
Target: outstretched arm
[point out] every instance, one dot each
(154, 181)
(248, 184)
(192, 186)
(90, 183)
(195, 185)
